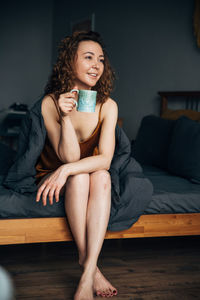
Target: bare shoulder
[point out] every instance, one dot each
(110, 108)
(110, 103)
(48, 108)
(47, 102)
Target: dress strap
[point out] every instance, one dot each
(100, 112)
(56, 105)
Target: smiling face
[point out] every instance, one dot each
(89, 64)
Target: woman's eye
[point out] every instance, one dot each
(88, 57)
(102, 61)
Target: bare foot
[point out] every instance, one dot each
(102, 287)
(85, 289)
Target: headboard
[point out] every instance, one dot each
(191, 99)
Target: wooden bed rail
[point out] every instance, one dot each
(37, 230)
(191, 99)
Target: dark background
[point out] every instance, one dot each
(151, 45)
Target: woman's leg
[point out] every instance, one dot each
(98, 214)
(98, 211)
(76, 201)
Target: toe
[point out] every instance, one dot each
(111, 293)
(114, 292)
(98, 293)
(103, 294)
(108, 293)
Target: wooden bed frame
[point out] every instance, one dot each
(37, 230)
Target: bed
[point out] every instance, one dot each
(173, 210)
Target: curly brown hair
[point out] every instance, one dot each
(62, 77)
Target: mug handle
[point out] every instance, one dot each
(77, 91)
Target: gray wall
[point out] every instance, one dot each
(151, 46)
(150, 43)
(25, 50)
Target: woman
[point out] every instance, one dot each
(78, 152)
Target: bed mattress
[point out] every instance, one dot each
(172, 194)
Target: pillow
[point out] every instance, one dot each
(184, 151)
(152, 141)
(6, 158)
(171, 114)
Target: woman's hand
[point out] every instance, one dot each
(52, 185)
(67, 102)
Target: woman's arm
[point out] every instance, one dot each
(106, 144)
(60, 130)
(53, 184)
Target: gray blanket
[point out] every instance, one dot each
(131, 190)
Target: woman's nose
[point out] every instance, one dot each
(96, 65)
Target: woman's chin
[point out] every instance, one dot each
(85, 85)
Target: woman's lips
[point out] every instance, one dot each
(93, 75)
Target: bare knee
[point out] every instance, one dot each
(78, 180)
(101, 179)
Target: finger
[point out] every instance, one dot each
(39, 192)
(44, 196)
(71, 104)
(69, 96)
(38, 197)
(51, 193)
(66, 100)
(72, 101)
(67, 103)
(75, 93)
(57, 192)
(75, 87)
(75, 103)
(66, 109)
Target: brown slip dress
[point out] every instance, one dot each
(49, 161)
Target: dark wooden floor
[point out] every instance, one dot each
(154, 268)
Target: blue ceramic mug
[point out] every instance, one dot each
(86, 100)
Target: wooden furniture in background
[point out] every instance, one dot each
(191, 99)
